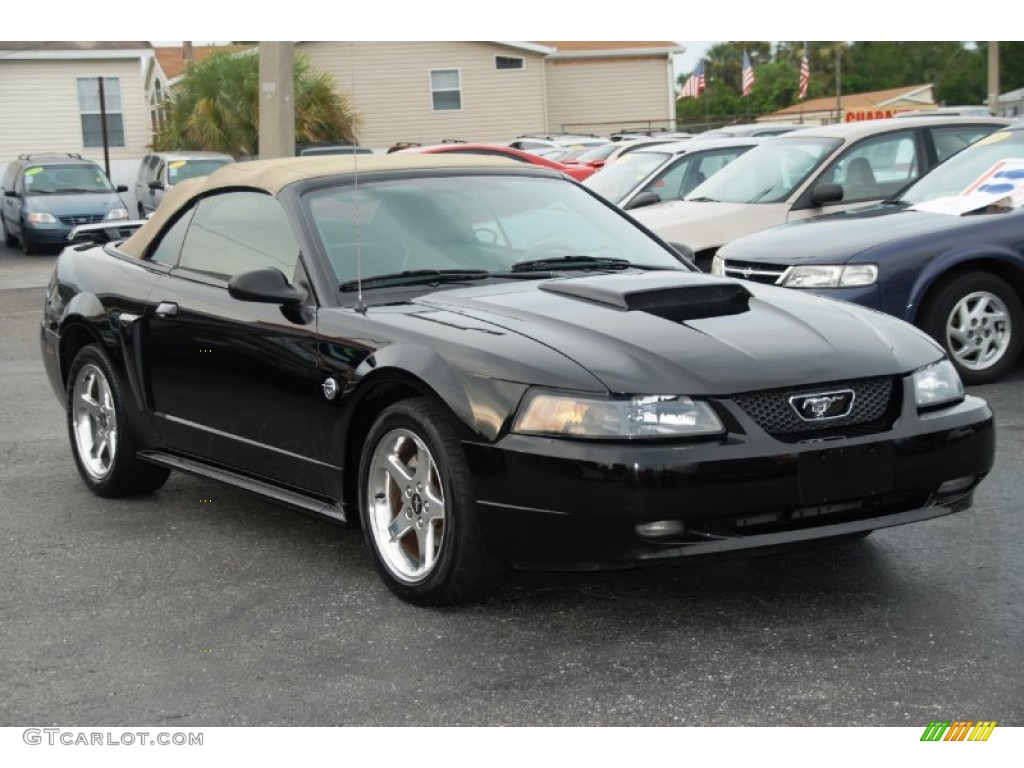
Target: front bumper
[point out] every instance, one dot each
(555, 503)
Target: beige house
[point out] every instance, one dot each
(855, 107)
(428, 92)
(51, 98)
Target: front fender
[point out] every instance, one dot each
(483, 404)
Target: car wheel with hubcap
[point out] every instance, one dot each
(101, 436)
(977, 317)
(417, 508)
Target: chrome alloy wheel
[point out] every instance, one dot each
(94, 421)
(979, 330)
(406, 506)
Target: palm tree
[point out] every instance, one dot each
(216, 107)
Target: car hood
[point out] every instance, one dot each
(676, 332)
(709, 225)
(91, 203)
(837, 238)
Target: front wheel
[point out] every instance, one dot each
(101, 437)
(417, 508)
(977, 317)
(9, 240)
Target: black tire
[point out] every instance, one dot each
(944, 318)
(438, 555)
(27, 246)
(142, 212)
(100, 432)
(9, 240)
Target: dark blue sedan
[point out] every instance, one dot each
(957, 274)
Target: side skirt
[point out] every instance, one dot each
(311, 505)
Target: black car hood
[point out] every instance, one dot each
(730, 336)
(836, 238)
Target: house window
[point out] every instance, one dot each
(446, 90)
(508, 62)
(89, 107)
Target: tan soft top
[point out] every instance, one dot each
(273, 175)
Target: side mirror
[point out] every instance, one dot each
(268, 286)
(826, 193)
(642, 200)
(122, 188)
(156, 184)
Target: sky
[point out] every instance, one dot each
(522, 20)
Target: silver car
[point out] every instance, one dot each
(810, 172)
(162, 170)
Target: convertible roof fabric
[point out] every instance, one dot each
(272, 176)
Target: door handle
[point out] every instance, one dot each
(166, 309)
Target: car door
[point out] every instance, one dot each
(234, 382)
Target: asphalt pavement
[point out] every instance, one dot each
(206, 606)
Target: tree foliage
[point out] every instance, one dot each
(958, 72)
(216, 107)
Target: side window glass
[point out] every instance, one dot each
(950, 140)
(877, 168)
(168, 248)
(237, 232)
(667, 184)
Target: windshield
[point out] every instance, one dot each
(768, 173)
(958, 173)
(179, 170)
(498, 224)
(618, 179)
(65, 180)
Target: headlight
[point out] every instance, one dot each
(654, 416)
(821, 276)
(117, 214)
(937, 384)
(41, 218)
(718, 265)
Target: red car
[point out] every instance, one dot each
(578, 172)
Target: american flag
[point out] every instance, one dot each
(694, 83)
(748, 75)
(805, 74)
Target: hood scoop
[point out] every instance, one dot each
(678, 299)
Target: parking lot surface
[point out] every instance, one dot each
(204, 605)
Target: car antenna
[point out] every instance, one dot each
(360, 305)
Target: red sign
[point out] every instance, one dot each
(870, 114)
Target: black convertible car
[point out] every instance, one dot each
(489, 367)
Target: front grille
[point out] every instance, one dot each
(81, 218)
(754, 271)
(876, 404)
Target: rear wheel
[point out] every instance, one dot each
(977, 317)
(417, 508)
(9, 240)
(101, 437)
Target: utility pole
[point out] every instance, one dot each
(993, 77)
(277, 100)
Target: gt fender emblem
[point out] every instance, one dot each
(824, 405)
(330, 387)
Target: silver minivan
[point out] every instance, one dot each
(162, 170)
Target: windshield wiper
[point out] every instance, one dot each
(572, 261)
(702, 200)
(414, 277)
